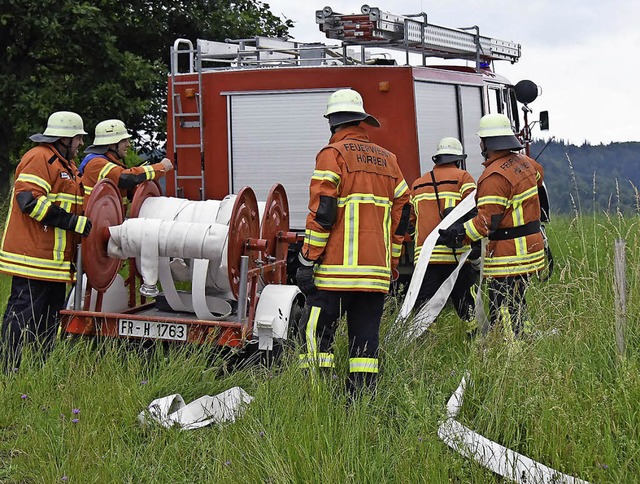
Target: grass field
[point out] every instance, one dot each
(564, 399)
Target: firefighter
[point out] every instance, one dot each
(358, 214)
(432, 196)
(40, 237)
(105, 159)
(509, 216)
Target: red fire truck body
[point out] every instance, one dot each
(263, 126)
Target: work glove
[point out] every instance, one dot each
(304, 276)
(451, 237)
(80, 224)
(167, 166)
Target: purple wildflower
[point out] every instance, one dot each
(228, 463)
(75, 420)
(65, 478)
(261, 433)
(24, 396)
(75, 411)
(144, 382)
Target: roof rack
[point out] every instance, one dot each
(413, 34)
(372, 28)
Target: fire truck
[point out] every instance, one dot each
(245, 121)
(250, 111)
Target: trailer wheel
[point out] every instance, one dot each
(295, 334)
(297, 320)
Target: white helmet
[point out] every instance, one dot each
(449, 150)
(61, 124)
(109, 132)
(495, 130)
(449, 146)
(346, 106)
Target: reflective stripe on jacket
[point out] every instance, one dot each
(507, 197)
(358, 251)
(109, 166)
(29, 248)
(453, 184)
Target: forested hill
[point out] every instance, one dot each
(591, 177)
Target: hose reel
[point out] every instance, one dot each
(211, 236)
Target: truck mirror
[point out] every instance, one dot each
(544, 120)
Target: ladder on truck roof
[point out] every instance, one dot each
(372, 28)
(192, 119)
(414, 34)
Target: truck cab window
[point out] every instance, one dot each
(513, 104)
(496, 104)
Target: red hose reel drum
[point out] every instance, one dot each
(104, 209)
(275, 227)
(244, 232)
(146, 189)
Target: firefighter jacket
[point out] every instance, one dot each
(359, 212)
(509, 215)
(96, 167)
(431, 195)
(31, 246)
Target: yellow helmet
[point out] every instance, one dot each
(345, 106)
(64, 124)
(109, 132)
(495, 130)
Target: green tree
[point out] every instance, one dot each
(102, 59)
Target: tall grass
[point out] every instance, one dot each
(564, 398)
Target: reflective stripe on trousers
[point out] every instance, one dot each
(363, 310)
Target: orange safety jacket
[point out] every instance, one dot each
(431, 194)
(29, 248)
(509, 215)
(110, 166)
(358, 243)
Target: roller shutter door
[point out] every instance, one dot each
(275, 137)
(471, 98)
(436, 118)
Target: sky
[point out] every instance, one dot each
(583, 55)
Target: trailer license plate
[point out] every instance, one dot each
(152, 329)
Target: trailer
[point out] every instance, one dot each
(221, 266)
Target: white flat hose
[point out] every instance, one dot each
(409, 302)
(174, 239)
(172, 411)
(432, 308)
(491, 455)
(153, 241)
(181, 210)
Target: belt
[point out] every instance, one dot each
(515, 232)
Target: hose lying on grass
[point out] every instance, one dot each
(504, 462)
